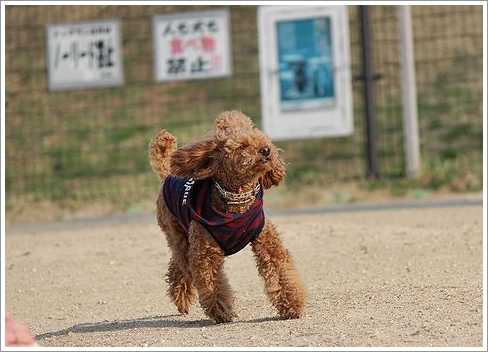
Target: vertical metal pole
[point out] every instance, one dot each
(409, 93)
(368, 93)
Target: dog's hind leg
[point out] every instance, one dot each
(282, 283)
(180, 288)
(206, 263)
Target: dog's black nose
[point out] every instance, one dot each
(264, 151)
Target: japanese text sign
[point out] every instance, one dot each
(84, 55)
(192, 45)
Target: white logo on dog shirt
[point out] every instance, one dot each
(188, 185)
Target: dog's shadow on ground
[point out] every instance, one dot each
(166, 321)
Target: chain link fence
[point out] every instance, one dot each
(92, 143)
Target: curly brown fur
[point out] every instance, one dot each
(237, 155)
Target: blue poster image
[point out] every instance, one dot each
(305, 58)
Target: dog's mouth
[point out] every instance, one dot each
(258, 161)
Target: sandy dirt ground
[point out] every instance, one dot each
(376, 276)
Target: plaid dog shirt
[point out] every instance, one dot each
(190, 200)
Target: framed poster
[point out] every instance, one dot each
(192, 45)
(84, 55)
(305, 71)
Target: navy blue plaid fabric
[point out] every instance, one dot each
(190, 200)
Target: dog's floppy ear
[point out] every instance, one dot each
(274, 176)
(194, 159)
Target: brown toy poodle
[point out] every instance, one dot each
(211, 206)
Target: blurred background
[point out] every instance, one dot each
(85, 152)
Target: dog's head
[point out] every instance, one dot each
(236, 152)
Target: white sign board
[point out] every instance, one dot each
(305, 71)
(84, 55)
(192, 45)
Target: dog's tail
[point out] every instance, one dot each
(160, 150)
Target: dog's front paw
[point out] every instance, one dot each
(290, 313)
(221, 313)
(223, 319)
(221, 316)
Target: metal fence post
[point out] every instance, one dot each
(369, 98)
(409, 93)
